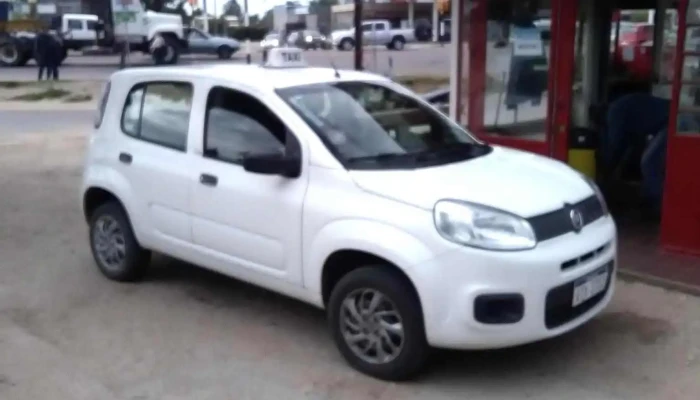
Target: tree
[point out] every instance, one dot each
(266, 21)
(315, 4)
(233, 9)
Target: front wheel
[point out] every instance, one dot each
(224, 53)
(376, 321)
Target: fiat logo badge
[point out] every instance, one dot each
(576, 220)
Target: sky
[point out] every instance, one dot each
(254, 6)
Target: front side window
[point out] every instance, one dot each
(371, 126)
(238, 124)
(75, 24)
(159, 113)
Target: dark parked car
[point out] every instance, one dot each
(309, 39)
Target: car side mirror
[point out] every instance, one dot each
(273, 164)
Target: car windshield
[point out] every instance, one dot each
(199, 33)
(372, 126)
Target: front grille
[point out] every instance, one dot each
(558, 309)
(566, 265)
(558, 222)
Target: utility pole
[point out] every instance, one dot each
(246, 23)
(357, 22)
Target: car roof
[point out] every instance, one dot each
(266, 78)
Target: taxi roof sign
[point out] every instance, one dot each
(285, 57)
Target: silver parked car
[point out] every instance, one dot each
(201, 42)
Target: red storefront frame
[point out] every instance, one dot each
(680, 227)
(559, 82)
(680, 224)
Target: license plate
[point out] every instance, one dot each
(589, 286)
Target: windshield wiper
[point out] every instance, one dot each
(384, 157)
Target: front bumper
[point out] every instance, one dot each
(449, 285)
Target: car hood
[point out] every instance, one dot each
(518, 182)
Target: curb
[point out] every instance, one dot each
(668, 284)
(52, 106)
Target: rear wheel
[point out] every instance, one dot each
(168, 53)
(11, 53)
(376, 321)
(346, 44)
(114, 246)
(398, 43)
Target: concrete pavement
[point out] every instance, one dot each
(185, 333)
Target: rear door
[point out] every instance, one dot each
(153, 157)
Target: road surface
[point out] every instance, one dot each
(184, 333)
(45, 121)
(412, 61)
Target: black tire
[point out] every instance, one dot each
(169, 53)
(413, 355)
(134, 263)
(11, 54)
(346, 44)
(224, 53)
(398, 43)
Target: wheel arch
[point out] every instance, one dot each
(342, 262)
(343, 246)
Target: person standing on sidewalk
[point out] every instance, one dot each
(55, 56)
(42, 44)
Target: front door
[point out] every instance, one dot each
(250, 222)
(515, 84)
(680, 225)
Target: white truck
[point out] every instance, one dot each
(149, 31)
(376, 32)
(146, 30)
(76, 30)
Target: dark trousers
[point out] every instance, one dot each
(51, 70)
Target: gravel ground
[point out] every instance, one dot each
(68, 333)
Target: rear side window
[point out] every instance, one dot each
(102, 105)
(91, 25)
(159, 113)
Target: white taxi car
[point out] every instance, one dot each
(347, 191)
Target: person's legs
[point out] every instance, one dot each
(42, 67)
(653, 166)
(54, 71)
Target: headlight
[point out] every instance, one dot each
(482, 227)
(598, 194)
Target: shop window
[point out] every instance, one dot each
(517, 68)
(688, 121)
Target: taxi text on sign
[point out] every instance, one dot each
(285, 57)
